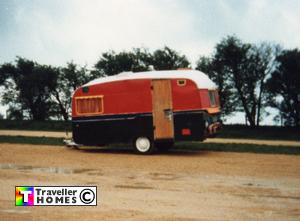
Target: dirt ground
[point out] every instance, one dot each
(174, 186)
(213, 140)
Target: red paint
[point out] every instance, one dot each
(185, 97)
(204, 98)
(121, 97)
(186, 132)
(134, 96)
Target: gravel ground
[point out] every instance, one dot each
(175, 186)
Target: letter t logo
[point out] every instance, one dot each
(25, 194)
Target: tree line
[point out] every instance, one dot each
(250, 77)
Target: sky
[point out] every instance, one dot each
(58, 31)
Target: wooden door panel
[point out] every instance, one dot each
(162, 109)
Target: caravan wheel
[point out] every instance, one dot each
(143, 145)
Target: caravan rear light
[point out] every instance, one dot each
(186, 131)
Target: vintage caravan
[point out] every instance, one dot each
(152, 109)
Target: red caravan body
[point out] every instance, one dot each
(134, 96)
(130, 95)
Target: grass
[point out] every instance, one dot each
(193, 146)
(52, 125)
(228, 131)
(240, 148)
(262, 133)
(32, 140)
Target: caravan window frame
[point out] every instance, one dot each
(212, 98)
(101, 98)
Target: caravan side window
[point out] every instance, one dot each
(212, 98)
(89, 105)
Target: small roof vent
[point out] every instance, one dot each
(151, 68)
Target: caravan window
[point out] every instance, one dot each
(212, 98)
(89, 105)
(181, 82)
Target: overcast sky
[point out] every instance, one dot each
(57, 31)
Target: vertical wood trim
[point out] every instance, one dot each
(162, 101)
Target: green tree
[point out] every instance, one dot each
(28, 88)
(263, 63)
(3, 74)
(69, 79)
(214, 69)
(168, 59)
(234, 55)
(284, 87)
(139, 59)
(4, 70)
(112, 63)
(240, 70)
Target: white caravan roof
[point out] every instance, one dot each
(202, 81)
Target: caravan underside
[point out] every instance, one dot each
(105, 129)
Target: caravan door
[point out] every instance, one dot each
(162, 109)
